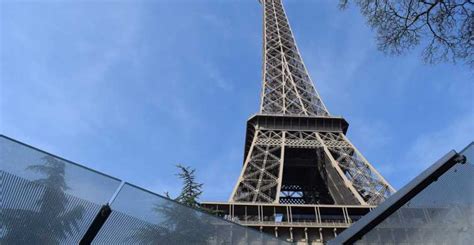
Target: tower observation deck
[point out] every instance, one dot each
(301, 179)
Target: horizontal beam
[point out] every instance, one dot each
(299, 123)
(286, 205)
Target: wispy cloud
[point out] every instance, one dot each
(215, 76)
(134, 88)
(428, 148)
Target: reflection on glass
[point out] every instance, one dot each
(180, 225)
(141, 217)
(49, 220)
(443, 213)
(47, 200)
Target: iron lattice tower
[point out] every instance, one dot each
(296, 152)
(302, 179)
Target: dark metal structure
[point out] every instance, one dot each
(298, 163)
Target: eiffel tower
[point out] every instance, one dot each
(302, 179)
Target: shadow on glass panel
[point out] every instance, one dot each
(40, 212)
(142, 217)
(180, 225)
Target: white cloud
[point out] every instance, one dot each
(216, 77)
(426, 149)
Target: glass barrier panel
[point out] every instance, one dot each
(142, 217)
(45, 199)
(442, 213)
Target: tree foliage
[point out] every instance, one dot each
(444, 27)
(180, 224)
(191, 190)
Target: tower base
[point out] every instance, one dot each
(300, 223)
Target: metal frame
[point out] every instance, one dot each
(292, 115)
(318, 223)
(287, 87)
(219, 206)
(294, 127)
(261, 176)
(364, 225)
(96, 225)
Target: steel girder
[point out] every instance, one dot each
(289, 92)
(287, 87)
(261, 178)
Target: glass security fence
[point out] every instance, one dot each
(45, 199)
(146, 218)
(48, 200)
(442, 213)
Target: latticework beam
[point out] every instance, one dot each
(261, 178)
(291, 159)
(287, 87)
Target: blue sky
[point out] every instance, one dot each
(131, 88)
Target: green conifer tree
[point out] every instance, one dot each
(191, 190)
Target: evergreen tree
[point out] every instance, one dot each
(191, 190)
(180, 225)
